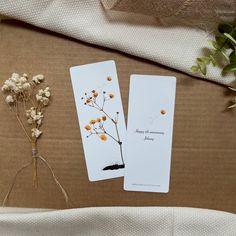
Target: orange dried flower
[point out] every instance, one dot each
(87, 127)
(104, 118)
(88, 101)
(109, 78)
(103, 137)
(92, 122)
(163, 112)
(111, 95)
(95, 94)
(98, 119)
(93, 91)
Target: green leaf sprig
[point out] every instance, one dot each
(223, 49)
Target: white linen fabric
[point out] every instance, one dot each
(187, 12)
(114, 221)
(141, 35)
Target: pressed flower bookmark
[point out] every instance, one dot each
(101, 118)
(149, 133)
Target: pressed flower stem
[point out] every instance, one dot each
(13, 182)
(99, 108)
(117, 132)
(105, 132)
(103, 101)
(119, 142)
(56, 181)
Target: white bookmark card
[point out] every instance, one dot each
(101, 118)
(149, 133)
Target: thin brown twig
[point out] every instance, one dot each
(32, 102)
(105, 132)
(56, 180)
(35, 172)
(24, 105)
(31, 94)
(35, 169)
(20, 122)
(117, 117)
(120, 143)
(94, 107)
(104, 112)
(103, 101)
(115, 122)
(111, 136)
(117, 132)
(13, 183)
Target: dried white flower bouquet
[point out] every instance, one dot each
(20, 93)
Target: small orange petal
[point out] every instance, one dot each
(87, 127)
(92, 122)
(163, 112)
(111, 95)
(103, 137)
(109, 78)
(95, 94)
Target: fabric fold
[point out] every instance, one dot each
(165, 221)
(140, 35)
(184, 11)
(110, 4)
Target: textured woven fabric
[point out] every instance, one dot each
(118, 221)
(189, 12)
(140, 35)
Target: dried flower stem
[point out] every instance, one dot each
(20, 122)
(117, 131)
(35, 169)
(35, 172)
(13, 182)
(33, 142)
(96, 126)
(32, 102)
(102, 110)
(34, 148)
(56, 181)
(120, 143)
(105, 132)
(19, 89)
(115, 122)
(67, 200)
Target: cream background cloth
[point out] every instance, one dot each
(187, 12)
(140, 35)
(114, 221)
